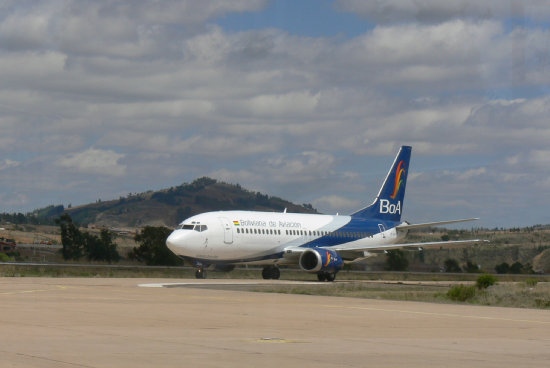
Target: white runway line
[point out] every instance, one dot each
(228, 283)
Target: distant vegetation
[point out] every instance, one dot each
(510, 251)
(78, 244)
(152, 249)
(166, 207)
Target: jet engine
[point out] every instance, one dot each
(320, 260)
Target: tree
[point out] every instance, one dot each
(152, 248)
(451, 265)
(396, 261)
(101, 248)
(71, 238)
(77, 244)
(471, 268)
(502, 268)
(516, 267)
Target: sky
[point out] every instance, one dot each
(306, 100)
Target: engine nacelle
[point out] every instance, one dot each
(320, 260)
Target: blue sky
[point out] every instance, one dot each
(305, 100)
(309, 18)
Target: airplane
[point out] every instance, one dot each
(317, 243)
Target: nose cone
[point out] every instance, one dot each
(175, 241)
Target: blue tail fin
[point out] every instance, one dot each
(388, 205)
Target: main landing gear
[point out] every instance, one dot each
(326, 276)
(271, 272)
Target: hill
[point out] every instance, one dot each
(168, 207)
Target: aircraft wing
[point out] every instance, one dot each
(407, 226)
(412, 246)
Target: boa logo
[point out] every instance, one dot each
(387, 207)
(398, 179)
(328, 259)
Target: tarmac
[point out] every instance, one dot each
(95, 322)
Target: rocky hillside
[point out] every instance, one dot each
(169, 207)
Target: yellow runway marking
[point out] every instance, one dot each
(439, 314)
(58, 287)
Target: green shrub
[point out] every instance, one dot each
(461, 293)
(531, 282)
(484, 281)
(5, 258)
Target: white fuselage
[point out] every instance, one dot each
(262, 237)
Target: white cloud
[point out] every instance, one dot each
(289, 104)
(269, 108)
(7, 163)
(336, 203)
(94, 161)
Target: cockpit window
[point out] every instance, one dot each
(199, 228)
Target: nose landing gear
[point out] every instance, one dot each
(200, 271)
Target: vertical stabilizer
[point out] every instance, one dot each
(388, 204)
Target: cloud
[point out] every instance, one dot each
(336, 203)
(7, 163)
(94, 161)
(14, 200)
(434, 11)
(305, 118)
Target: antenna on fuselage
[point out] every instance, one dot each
(284, 210)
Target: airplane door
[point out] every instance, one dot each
(227, 230)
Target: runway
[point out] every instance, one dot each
(94, 322)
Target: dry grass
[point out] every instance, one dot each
(509, 294)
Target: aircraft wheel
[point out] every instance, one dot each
(326, 276)
(271, 272)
